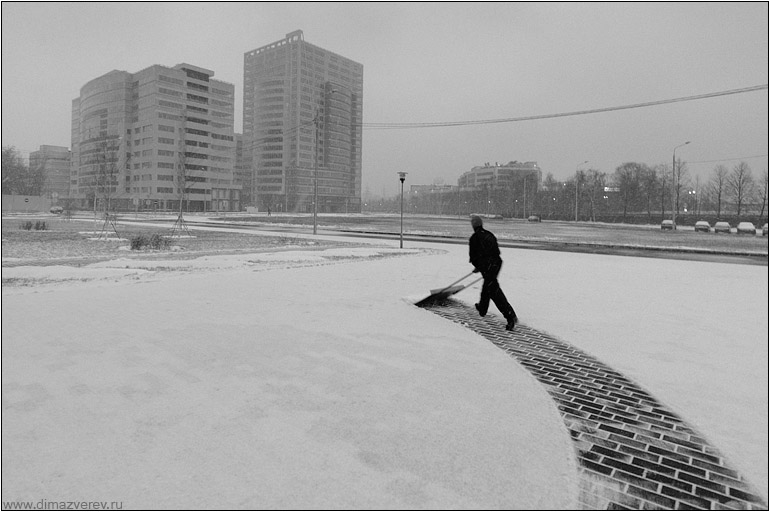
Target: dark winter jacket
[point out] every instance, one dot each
(484, 251)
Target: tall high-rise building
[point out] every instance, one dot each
(302, 114)
(155, 138)
(55, 163)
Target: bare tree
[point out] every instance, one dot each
(681, 178)
(718, 186)
(626, 178)
(553, 190)
(181, 180)
(764, 193)
(595, 182)
(18, 177)
(108, 169)
(740, 183)
(103, 164)
(39, 176)
(697, 195)
(13, 170)
(649, 188)
(664, 180)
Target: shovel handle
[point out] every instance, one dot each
(451, 285)
(474, 282)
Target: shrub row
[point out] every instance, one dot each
(37, 226)
(154, 241)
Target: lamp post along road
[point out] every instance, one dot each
(402, 177)
(674, 186)
(577, 183)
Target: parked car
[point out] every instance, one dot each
(722, 227)
(668, 224)
(533, 218)
(56, 209)
(702, 225)
(764, 229)
(747, 228)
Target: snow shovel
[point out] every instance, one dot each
(440, 294)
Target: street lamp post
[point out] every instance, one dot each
(402, 177)
(673, 185)
(577, 183)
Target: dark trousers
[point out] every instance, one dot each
(491, 290)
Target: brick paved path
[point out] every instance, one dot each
(633, 452)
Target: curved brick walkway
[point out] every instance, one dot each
(633, 452)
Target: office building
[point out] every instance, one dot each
(302, 114)
(153, 139)
(508, 189)
(55, 163)
(501, 176)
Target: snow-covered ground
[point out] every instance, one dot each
(307, 379)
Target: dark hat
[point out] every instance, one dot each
(476, 221)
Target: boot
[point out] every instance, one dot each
(512, 321)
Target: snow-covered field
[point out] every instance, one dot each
(307, 379)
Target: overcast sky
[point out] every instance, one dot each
(437, 62)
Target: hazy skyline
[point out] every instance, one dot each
(437, 62)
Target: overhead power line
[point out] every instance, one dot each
(397, 126)
(726, 159)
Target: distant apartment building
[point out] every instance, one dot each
(431, 189)
(501, 176)
(55, 163)
(302, 115)
(154, 138)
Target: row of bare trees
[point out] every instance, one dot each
(725, 191)
(632, 190)
(637, 188)
(657, 191)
